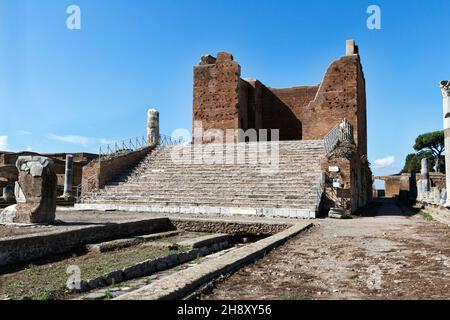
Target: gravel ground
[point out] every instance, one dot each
(390, 256)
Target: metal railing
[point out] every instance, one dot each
(122, 147)
(165, 140)
(342, 132)
(134, 144)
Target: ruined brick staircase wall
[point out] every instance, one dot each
(98, 173)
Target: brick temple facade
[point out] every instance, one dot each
(223, 100)
(321, 160)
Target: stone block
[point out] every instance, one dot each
(133, 272)
(35, 191)
(337, 213)
(114, 277)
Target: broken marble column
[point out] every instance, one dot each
(424, 182)
(425, 174)
(35, 192)
(443, 197)
(153, 128)
(68, 177)
(445, 88)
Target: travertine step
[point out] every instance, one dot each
(159, 183)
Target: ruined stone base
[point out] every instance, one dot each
(338, 213)
(8, 215)
(19, 214)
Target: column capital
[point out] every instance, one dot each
(445, 88)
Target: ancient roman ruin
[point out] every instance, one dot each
(162, 219)
(320, 129)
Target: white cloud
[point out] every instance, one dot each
(384, 162)
(106, 141)
(3, 142)
(23, 133)
(78, 140)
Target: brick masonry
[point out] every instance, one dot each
(222, 100)
(405, 184)
(97, 173)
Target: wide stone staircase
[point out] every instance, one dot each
(197, 184)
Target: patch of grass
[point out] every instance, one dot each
(44, 295)
(294, 296)
(426, 215)
(198, 260)
(31, 270)
(108, 294)
(48, 281)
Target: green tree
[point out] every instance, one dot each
(434, 143)
(413, 161)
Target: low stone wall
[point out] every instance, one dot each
(231, 228)
(97, 173)
(32, 247)
(437, 180)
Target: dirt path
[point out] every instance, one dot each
(390, 256)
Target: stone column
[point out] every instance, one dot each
(153, 128)
(445, 88)
(425, 175)
(68, 178)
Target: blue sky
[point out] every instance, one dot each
(71, 90)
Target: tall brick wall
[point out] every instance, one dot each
(222, 100)
(341, 95)
(396, 185)
(216, 92)
(276, 114)
(297, 98)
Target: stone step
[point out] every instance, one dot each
(158, 180)
(207, 204)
